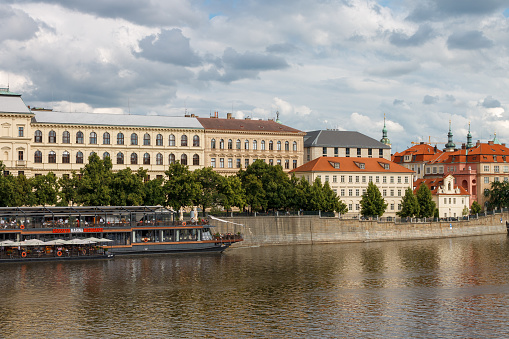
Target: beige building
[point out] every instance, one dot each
(349, 178)
(449, 198)
(231, 144)
(38, 141)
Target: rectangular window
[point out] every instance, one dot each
(506, 169)
(324, 151)
(363, 179)
(370, 179)
(350, 192)
(336, 151)
(384, 193)
(486, 180)
(406, 179)
(357, 192)
(392, 207)
(342, 178)
(357, 179)
(319, 177)
(230, 163)
(295, 164)
(357, 207)
(370, 152)
(246, 163)
(213, 162)
(380, 153)
(377, 179)
(349, 207)
(271, 162)
(287, 164)
(326, 178)
(399, 180)
(384, 179)
(392, 193)
(238, 163)
(496, 179)
(21, 131)
(342, 192)
(486, 168)
(20, 155)
(359, 150)
(221, 162)
(350, 178)
(399, 193)
(347, 152)
(496, 168)
(334, 178)
(392, 180)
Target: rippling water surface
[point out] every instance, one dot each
(430, 288)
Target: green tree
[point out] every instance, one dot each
(372, 202)
(7, 188)
(180, 188)
(256, 197)
(127, 187)
(45, 189)
(68, 189)
(154, 192)
(498, 195)
(426, 204)
(316, 200)
(476, 208)
(210, 184)
(332, 202)
(409, 205)
(94, 186)
(231, 193)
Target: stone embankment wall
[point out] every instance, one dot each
(286, 230)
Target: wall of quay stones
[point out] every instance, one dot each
(290, 230)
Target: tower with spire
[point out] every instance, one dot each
(495, 140)
(450, 146)
(469, 138)
(384, 139)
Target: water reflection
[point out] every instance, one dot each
(448, 287)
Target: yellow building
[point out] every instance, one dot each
(39, 141)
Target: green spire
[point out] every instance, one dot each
(469, 138)
(384, 139)
(450, 146)
(495, 140)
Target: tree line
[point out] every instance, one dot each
(259, 187)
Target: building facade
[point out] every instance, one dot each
(334, 143)
(451, 200)
(349, 177)
(39, 141)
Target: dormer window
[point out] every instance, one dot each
(361, 165)
(334, 164)
(384, 165)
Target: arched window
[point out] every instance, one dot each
(271, 145)
(66, 137)
(287, 146)
(238, 144)
(91, 153)
(159, 140)
(146, 139)
(255, 145)
(196, 141)
(279, 145)
(134, 158)
(159, 159)
(230, 144)
(79, 137)
(221, 144)
(120, 138)
(79, 158)
(93, 138)
(295, 145)
(246, 144)
(183, 140)
(66, 157)
(213, 143)
(172, 140)
(146, 159)
(106, 138)
(38, 157)
(262, 145)
(52, 137)
(171, 158)
(52, 157)
(196, 160)
(120, 158)
(106, 155)
(134, 139)
(183, 159)
(38, 136)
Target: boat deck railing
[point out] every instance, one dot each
(47, 252)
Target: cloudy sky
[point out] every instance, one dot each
(322, 64)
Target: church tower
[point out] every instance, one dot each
(469, 138)
(450, 146)
(384, 139)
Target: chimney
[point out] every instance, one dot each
(228, 115)
(490, 142)
(248, 118)
(478, 143)
(193, 116)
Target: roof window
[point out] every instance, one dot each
(334, 164)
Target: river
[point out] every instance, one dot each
(413, 289)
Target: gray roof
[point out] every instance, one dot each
(333, 138)
(12, 103)
(105, 119)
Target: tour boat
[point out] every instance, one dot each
(70, 233)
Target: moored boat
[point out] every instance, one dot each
(70, 233)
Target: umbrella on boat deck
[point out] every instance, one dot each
(80, 242)
(56, 242)
(9, 243)
(105, 240)
(33, 242)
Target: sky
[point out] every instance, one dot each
(321, 64)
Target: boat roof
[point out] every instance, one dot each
(81, 210)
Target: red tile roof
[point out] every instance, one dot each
(326, 164)
(419, 153)
(434, 184)
(246, 125)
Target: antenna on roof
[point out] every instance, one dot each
(128, 106)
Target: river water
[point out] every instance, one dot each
(414, 289)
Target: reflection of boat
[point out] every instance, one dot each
(108, 230)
